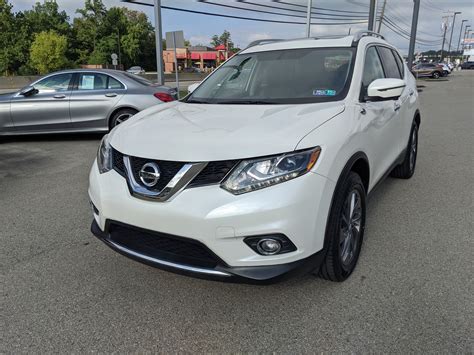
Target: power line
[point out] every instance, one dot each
(274, 13)
(244, 18)
(321, 8)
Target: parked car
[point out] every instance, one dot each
(446, 69)
(78, 101)
(136, 70)
(467, 65)
(255, 175)
(192, 70)
(428, 70)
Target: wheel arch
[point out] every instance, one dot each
(117, 109)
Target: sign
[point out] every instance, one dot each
(114, 56)
(178, 39)
(114, 62)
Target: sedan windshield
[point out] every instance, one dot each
(279, 77)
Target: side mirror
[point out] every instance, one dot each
(385, 89)
(28, 91)
(193, 87)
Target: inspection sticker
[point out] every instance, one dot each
(324, 92)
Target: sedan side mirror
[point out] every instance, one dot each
(193, 87)
(28, 91)
(385, 89)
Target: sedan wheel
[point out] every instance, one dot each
(121, 116)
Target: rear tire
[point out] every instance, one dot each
(345, 230)
(407, 168)
(121, 116)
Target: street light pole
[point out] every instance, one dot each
(460, 33)
(452, 30)
(159, 44)
(445, 28)
(308, 18)
(382, 15)
(372, 15)
(414, 26)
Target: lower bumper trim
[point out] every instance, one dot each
(249, 274)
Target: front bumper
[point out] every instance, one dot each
(220, 221)
(221, 272)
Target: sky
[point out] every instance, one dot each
(199, 28)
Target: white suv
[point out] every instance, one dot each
(265, 167)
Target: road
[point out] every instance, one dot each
(64, 291)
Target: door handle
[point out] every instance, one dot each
(112, 94)
(396, 106)
(411, 92)
(59, 96)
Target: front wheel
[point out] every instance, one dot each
(345, 230)
(436, 75)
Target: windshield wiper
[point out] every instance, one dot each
(247, 102)
(194, 101)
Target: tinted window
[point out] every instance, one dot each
(400, 63)
(372, 69)
(55, 83)
(281, 76)
(114, 84)
(92, 81)
(389, 64)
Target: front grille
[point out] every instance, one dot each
(213, 173)
(163, 246)
(117, 162)
(168, 169)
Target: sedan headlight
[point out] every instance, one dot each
(104, 155)
(255, 174)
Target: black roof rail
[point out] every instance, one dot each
(359, 34)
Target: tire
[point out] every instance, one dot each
(343, 248)
(121, 116)
(436, 75)
(407, 168)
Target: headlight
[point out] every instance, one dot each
(255, 174)
(104, 155)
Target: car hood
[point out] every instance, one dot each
(200, 132)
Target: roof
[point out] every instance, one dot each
(313, 42)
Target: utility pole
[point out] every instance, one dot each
(452, 30)
(308, 18)
(460, 33)
(444, 26)
(414, 26)
(381, 15)
(372, 15)
(159, 43)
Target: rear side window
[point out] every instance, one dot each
(389, 63)
(373, 69)
(97, 81)
(399, 61)
(114, 84)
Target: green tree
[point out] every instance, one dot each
(14, 42)
(47, 17)
(48, 52)
(224, 39)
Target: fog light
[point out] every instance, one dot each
(268, 246)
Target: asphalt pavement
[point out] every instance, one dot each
(64, 291)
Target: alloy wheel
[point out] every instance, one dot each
(413, 148)
(351, 224)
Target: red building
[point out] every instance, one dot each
(202, 57)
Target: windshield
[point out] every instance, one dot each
(279, 77)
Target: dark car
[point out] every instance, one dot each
(431, 70)
(467, 65)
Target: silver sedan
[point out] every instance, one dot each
(78, 101)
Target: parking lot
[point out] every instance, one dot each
(63, 290)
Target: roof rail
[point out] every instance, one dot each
(359, 34)
(261, 41)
